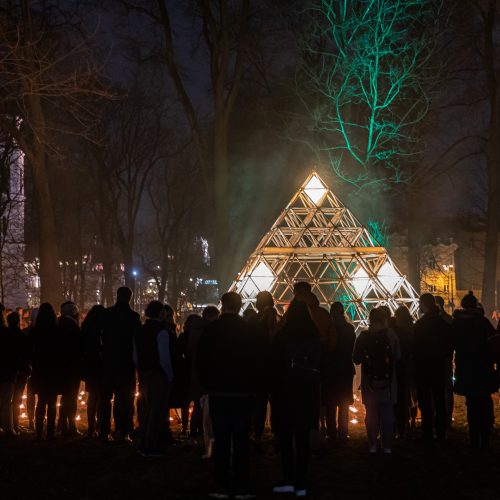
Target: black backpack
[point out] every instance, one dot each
(378, 358)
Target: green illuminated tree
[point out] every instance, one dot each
(367, 73)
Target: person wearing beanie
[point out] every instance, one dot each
(475, 376)
(432, 350)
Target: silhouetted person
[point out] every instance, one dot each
(30, 395)
(119, 326)
(92, 367)
(72, 358)
(432, 351)
(442, 311)
(209, 314)
(337, 375)
(230, 370)
(475, 376)
(324, 324)
(154, 364)
(265, 327)
(47, 370)
(450, 402)
(179, 394)
(8, 372)
(296, 361)
(250, 315)
(188, 344)
(405, 370)
(377, 350)
(23, 353)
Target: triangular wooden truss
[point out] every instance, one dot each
(318, 240)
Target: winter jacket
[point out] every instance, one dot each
(474, 366)
(119, 324)
(228, 358)
(337, 366)
(296, 381)
(432, 344)
(71, 340)
(47, 373)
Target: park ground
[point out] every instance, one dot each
(80, 469)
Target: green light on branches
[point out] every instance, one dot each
(371, 56)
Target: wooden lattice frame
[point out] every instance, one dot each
(321, 242)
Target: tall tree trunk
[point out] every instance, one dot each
(48, 252)
(488, 298)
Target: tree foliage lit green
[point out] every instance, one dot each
(367, 65)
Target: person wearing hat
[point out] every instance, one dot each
(475, 376)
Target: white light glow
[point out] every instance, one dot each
(360, 281)
(353, 409)
(354, 421)
(260, 279)
(389, 277)
(315, 190)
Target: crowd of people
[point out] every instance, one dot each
(236, 369)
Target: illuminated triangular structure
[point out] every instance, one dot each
(318, 240)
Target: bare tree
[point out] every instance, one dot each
(229, 32)
(171, 253)
(46, 75)
(134, 141)
(367, 63)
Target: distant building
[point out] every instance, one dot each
(13, 275)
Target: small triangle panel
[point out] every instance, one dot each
(317, 239)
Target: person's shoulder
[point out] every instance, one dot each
(135, 315)
(363, 334)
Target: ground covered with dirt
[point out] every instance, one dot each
(83, 469)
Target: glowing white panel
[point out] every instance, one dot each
(360, 281)
(260, 279)
(315, 190)
(389, 277)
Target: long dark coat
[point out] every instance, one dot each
(47, 371)
(474, 366)
(295, 392)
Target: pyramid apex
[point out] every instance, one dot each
(315, 188)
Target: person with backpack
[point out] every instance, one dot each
(377, 350)
(295, 365)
